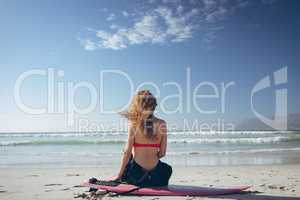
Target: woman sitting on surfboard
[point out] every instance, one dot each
(147, 142)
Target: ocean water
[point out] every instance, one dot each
(184, 148)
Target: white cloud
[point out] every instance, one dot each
(125, 14)
(89, 45)
(180, 9)
(103, 35)
(115, 42)
(169, 22)
(156, 27)
(113, 26)
(146, 30)
(110, 17)
(217, 15)
(178, 28)
(243, 3)
(104, 9)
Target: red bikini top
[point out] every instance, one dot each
(145, 145)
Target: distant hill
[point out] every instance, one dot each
(293, 123)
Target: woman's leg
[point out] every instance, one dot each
(160, 175)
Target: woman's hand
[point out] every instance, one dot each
(115, 178)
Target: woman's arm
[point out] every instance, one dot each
(162, 129)
(127, 151)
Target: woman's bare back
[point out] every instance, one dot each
(148, 157)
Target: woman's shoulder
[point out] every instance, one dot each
(160, 121)
(161, 125)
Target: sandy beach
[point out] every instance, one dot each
(268, 181)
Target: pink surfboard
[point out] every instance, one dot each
(171, 190)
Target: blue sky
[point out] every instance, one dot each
(236, 41)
